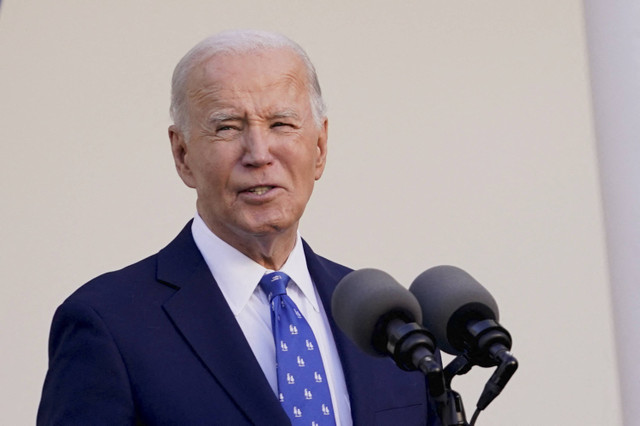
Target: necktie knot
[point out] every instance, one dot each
(274, 284)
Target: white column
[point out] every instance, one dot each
(613, 34)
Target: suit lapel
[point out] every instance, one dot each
(358, 368)
(199, 311)
(364, 373)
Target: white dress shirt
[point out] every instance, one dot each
(238, 277)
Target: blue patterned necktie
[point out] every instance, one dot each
(302, 385)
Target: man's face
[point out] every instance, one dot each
(254, 149)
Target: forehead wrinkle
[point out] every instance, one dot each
(226, 109)
(223, 97)
(200, 96)
(296, 88)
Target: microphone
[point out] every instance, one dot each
(463, 316)
(457, 308)
(382, 318)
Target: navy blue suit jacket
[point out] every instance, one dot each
(156, 343)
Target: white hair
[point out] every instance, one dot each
(238, 41)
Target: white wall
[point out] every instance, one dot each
(614, 53)
(460, 133)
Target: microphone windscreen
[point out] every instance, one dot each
(365, 298)
(450, 298)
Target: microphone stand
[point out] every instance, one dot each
(412, 347)
(450, 407)
(490, 347)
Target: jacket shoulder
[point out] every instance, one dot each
(125, 282)
(142, 280)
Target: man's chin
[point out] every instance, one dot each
(269, 229)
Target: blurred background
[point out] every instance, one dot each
(497, 136)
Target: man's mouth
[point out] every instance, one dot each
(259, 190)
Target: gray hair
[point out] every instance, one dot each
(238, 41)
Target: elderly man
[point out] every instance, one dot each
(193, 334)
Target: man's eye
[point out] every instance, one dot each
(224, 128)
(280, 124)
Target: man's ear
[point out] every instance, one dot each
(321, 159)
(179, 149)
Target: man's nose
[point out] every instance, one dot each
(257, 147)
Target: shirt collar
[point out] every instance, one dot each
(238, 276)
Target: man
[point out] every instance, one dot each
(185, 336)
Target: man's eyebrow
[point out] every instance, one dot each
(218, 116)
(287, 113)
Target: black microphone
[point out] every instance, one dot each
(463, 316)
(382, 318)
